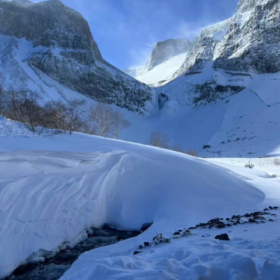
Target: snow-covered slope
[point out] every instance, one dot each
(162, 73)
(53, 188)
(165, 60)
(60, 47)
(134, 71)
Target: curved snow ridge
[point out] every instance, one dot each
(47, 198)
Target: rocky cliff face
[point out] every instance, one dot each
(249, 41)
(165, 50)
(63, 49)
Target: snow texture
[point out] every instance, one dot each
(53, 188)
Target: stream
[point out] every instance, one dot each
(53, 268)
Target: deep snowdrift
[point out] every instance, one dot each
(52, 188)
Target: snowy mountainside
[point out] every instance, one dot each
(246, 42)
(60, 185)
(162, 73)
(134, 71)
(167, 49)
(234, 113)
(68, 55)
(225, 92)
(166, 58)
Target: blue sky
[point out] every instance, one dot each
(125, 30)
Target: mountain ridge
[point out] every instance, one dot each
(62, 48)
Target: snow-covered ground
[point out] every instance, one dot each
(54, 187)
(162, 73)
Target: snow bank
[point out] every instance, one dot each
(52, 188)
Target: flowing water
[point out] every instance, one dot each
(53, 268)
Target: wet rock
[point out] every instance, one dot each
(146, 226)
(137, 252)
(260, 218)
(223, 237)
(140, 247)
(252, 221)
(147, 244)
(177, 233)
(186, 233)
(201, 225)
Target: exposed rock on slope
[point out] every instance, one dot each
(163, 51)
(62, 47)
(249, 41)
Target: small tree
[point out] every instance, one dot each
(23, 106)
(101, 118)
(157, 139)
(64, 116)
(119, 123)
(192, 152)
(75, 111)
(56, 115)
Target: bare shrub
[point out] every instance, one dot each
(75, 112)
(119, 123)
(159, 140)
(23, 106)
(249, 165)
(105, 121)
(64, 116)
(192, 152)
(276, 161)
(178, 148)
(101, 118)
(55, 115)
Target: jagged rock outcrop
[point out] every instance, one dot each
(253, 43)
(63, 49)
(249, 41)
(163, 51)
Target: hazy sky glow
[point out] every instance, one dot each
(125, 30)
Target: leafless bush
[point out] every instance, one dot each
(276, 161)
(101, 118)
(75, 112)
(23, 106)
(159, 140)
(105, 121)
(249, 165)
(192, 152)
(64, 116)
(119, 123)
(178, 148)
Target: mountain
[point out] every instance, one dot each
(49, 48)
(166, 58)
(220, 91)
(134, 71)
(165, 50)
(224, 92)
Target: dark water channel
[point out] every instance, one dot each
(53, 268)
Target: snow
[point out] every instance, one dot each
(252, 253)
(162, 73)
(53, 188)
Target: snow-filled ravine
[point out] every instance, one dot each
(53, 188)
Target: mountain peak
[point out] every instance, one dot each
(167, 49)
